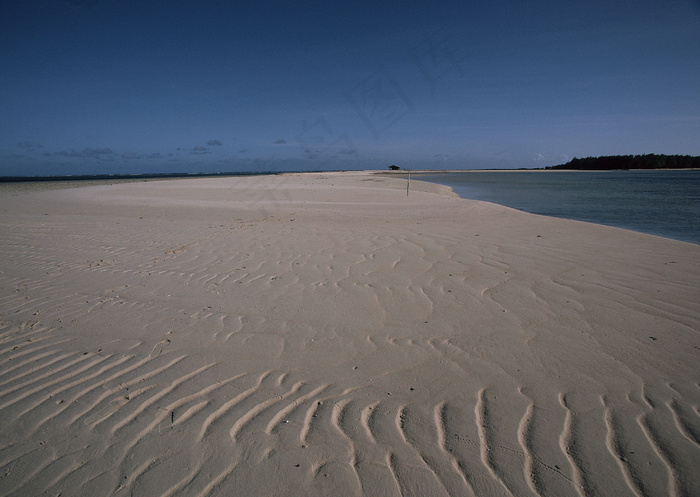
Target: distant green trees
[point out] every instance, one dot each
(648, 161)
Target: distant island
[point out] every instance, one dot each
(648, 161)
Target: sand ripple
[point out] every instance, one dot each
(147, 350)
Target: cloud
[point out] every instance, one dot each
(200, 150)
(95, 152)
(106, 154)
(131, 156)
(280, 142)
(88, 153)
(29, 146)
(214, 143)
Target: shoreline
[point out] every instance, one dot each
(653, 202)
(532, 170)
(14, 188)
(325, 333)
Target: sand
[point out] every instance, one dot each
(326, 334)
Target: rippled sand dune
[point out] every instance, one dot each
(326, 334)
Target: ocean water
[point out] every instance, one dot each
(663, 203)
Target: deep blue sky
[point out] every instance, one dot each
(114, 86)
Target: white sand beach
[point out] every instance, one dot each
(328, 334)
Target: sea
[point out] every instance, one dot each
(662, 203)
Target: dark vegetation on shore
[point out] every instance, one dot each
(648, 161)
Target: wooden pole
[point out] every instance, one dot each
(408, 183)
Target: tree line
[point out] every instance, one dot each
(648, 161)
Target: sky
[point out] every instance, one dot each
(126, 87)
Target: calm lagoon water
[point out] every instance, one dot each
(663, 203)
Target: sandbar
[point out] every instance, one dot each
(330, 334)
